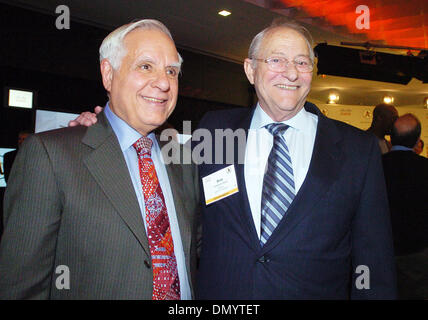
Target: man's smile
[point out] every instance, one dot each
(287, 87)
(155, 100)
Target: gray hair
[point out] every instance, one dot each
(255, 45)
(112, 47)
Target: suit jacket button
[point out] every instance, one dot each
(263, 259)
(147, 264)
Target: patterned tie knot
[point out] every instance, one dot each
(143, 146)
(277, 129)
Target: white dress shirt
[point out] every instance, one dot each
(300, 139)
(126, 136)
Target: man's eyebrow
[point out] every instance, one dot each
(145, 59)
(283, 54)
(278, 53)
(175, 65)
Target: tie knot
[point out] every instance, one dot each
(277, 129)
(143, 146)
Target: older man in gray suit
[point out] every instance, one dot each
(96, 213)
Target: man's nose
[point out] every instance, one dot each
(290, 72)
(161, 81)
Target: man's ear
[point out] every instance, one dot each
(106, 74)
(249, 71)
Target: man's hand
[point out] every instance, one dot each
(86, 118)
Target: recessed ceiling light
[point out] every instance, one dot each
(224, 13)
(333, 98)
(388, 99)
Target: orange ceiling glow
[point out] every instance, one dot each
(395, 22)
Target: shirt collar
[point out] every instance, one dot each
(261, 119)
(400, 148)
(126, 135)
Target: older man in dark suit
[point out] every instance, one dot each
(307, 216)
(98, 213)
(406, 175)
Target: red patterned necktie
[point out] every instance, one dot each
(166, 285)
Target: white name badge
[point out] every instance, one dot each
(220, 184)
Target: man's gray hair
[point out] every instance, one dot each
(255, 45)
(112, 47)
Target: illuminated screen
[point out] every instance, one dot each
(20, 99)
(2, 152)
(49, 120)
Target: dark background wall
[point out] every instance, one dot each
(62, 66)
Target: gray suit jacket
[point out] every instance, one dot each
(70, 202)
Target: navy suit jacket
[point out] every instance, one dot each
(338, 221)
(406, 176)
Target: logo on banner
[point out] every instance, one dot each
(367, 114)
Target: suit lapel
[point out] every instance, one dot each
(323, 170)
(176, 180)
(244, 205)
(107, 165)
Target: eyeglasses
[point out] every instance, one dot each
(302, 64)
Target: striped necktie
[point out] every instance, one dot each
(278, 183)
(166, 285)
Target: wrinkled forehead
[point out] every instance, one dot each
(285, 41)
(150, 41)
